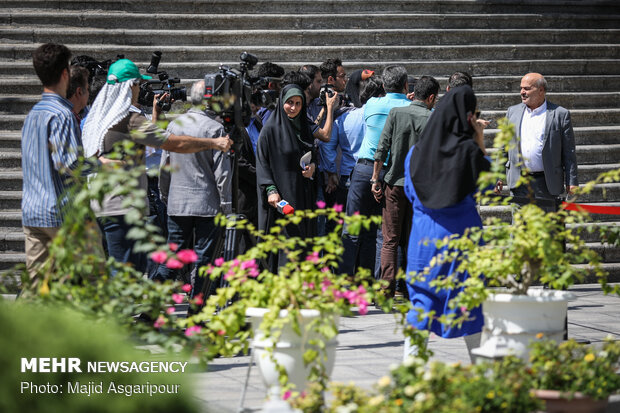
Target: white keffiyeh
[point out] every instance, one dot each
(110, 107)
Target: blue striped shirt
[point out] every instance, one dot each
(50, 143)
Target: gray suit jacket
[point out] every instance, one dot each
(559, 160)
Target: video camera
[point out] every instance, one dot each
(163, 84)
(229, 92)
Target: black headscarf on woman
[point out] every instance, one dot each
(445, 164)
(281, 144)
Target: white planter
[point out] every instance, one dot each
(289, 349)
(511, 322)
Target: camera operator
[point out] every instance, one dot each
(193, 203)
(110, 120)
(272, 72)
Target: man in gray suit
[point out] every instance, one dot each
(199, 187)
(543, 146)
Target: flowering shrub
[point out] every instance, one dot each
(572, 367)
(308, 280)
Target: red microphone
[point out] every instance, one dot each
(285, 208)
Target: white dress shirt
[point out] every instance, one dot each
(532, 137)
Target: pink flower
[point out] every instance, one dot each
(361, 290)
(198, 299)
(325, 269)
(320, 204)
(159, 323)
(325, 284)
(187, 256)
(363, 308)
(309, 285)
(287, 395)
(173, 247)
(463, 309)
(337, 207)
(221, 332)
(186, 288)
(159, 257)
(174, 264)
(356, 213)
(341, 221)
(254, 273)
(229, 274)
(219, 261)
(190, 331)
(235, 263)
(314, 257)
(248, 264)
(177, 298)
(170, 310)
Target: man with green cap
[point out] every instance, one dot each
(110, 120)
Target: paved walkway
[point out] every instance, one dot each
(369, 344)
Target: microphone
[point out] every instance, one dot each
(285, 208)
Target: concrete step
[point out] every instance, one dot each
(612, 269)
(30, 84)
(11, 180)
(505, 213)
(477, 68)
(10, 200)
(589, 173)
(570, 100)
(12, 241)
(579, 117)
(590, 232)
(10, 259)
(598, 154)
(22, 103)
(323, 6)
(10, 159)
(10, 218)
(10, 140)
(200, 18)
(595, 135)
(304, 37)
(16, 51)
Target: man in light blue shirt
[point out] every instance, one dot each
(50, 147)
(361, 250)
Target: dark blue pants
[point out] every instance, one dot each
(197, 233)
(361, 250)
(119, 247)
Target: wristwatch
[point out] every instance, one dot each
(374, 181)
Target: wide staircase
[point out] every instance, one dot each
(575, 44)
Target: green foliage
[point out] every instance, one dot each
(309, 280)
(77, 273)
(52, 331)
(571, 367)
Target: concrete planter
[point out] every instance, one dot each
(289, 349)
(512, 321)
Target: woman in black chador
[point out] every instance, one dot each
(284, 140)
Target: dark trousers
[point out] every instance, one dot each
(157, 216)
(537, 189)
(397, 214)
(119, 247)
(360, 250)
(197, 233)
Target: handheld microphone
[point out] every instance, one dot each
(285, 208)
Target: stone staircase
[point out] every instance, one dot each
(575, 44)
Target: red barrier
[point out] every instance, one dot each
(593, 209)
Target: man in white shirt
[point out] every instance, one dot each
(543, 146)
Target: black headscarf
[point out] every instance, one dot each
(445, 164)
(281, 144)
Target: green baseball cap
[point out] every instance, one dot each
(123, 70)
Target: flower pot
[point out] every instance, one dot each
(289, 349)
(512, 321)
(558, 402)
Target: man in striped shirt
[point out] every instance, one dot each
(50, 144)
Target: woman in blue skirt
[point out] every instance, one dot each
(441, 172)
